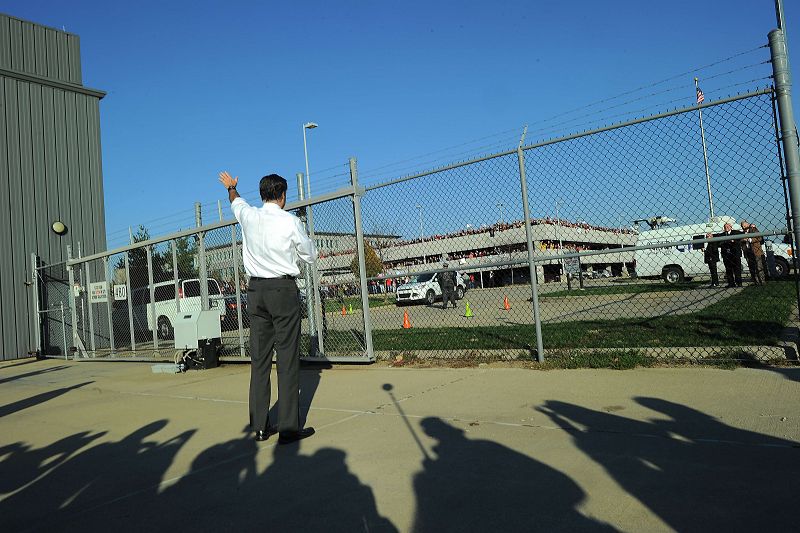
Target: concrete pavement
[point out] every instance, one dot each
(94, 446)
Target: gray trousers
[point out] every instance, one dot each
(756, 267)
(274, 309)
(448, 296)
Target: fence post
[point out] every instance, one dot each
(202, 274)
(175, 275)
(318, 310)
(109, 305)
(531, 265)
(89, 305)
(312, 321)
(129, 301)
(37, 333)
(72, 305)
(362, 264)
(153, 322)
(64, 332)
(783, 91)
(237, 281)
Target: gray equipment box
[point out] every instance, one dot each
(195, 326)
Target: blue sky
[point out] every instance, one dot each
(198, 87)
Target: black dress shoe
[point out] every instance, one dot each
(264, 435)
(293, 436)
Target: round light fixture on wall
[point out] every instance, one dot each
(59, 228)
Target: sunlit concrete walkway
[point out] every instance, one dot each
(113, 447)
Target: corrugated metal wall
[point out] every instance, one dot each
(50, 166)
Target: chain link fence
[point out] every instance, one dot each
(626, 227)
(611, 241)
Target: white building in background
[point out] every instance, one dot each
(501, 242)
(467, 249)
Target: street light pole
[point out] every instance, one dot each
(317, 321)
(500, 207)
(307, 126)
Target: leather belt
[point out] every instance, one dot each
(285, 276)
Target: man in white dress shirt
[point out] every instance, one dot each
(273, 241)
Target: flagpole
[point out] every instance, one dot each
(705, 154)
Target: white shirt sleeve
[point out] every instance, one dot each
(239, 206)
(306, 249)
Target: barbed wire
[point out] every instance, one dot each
(367, 171)
(633, 113)
(654, 84)
(651, 95)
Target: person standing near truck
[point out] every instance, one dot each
(731, 252)
(711, 258)
(754, 253)
(447, 283)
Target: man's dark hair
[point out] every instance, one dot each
(272, 187)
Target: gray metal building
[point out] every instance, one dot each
(50, 168)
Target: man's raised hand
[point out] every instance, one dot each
(227, 180)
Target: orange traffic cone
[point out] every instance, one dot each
(406, 321)
(344, 311)
(506, 305)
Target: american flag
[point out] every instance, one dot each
(700, 96)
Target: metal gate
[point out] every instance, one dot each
(51, 289)
(122, 304)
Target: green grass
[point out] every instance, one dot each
(613, 359)
(754, 316)
(624, 288)
(335, 304)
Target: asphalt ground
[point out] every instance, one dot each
(100, 446)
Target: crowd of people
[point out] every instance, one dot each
(497, 227)
(732, 251)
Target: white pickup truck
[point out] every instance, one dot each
(675, 263)
(426, 288)
(166, 306)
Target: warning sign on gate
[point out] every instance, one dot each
(98, 292)
(572, 265)
(120, 292)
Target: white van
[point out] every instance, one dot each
(166, 309)
(426, 288)
(675, 263)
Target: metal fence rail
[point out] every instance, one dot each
(604, 241)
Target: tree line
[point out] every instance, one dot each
(163, 270)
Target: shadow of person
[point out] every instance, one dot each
(32, 373)
(342, 502)
(64, 497)
(223, 491)
(23, 362)
(691, 470)
(479, 485)
(25, 403)
(216, 494)
(20, 463)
